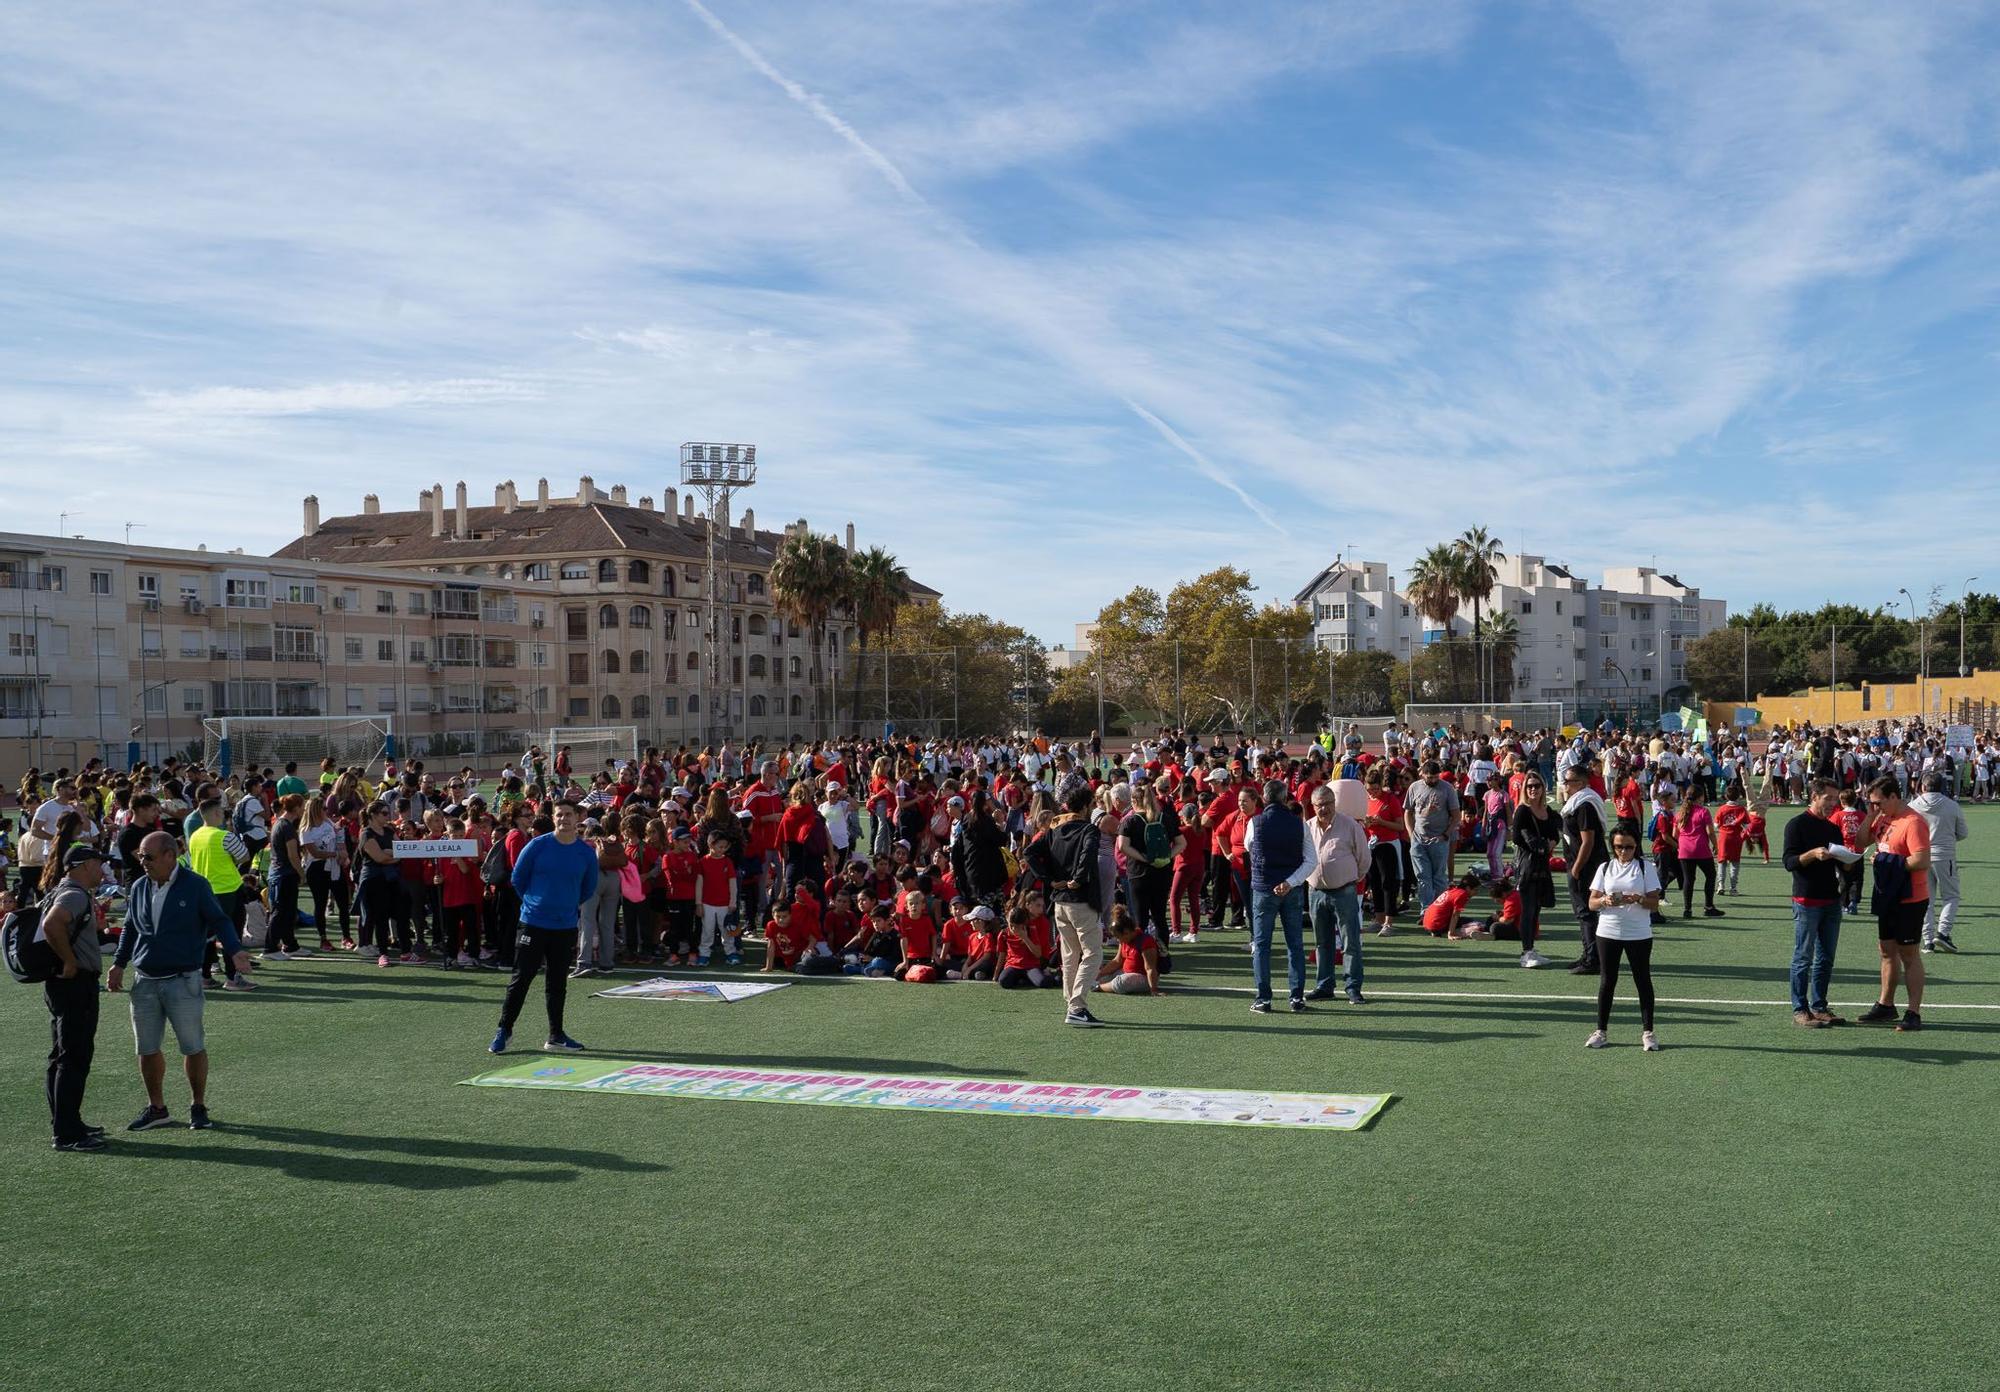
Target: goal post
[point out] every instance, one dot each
(591, 745)
(236, 742)
(1486, 717)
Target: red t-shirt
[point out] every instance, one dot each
(919, 936)
(1132, 955)
(840, 926)
(791, 941)
(462, 885)
(805, 915)
(1729, 823)
(1510, 906)
(761, 802)
(958, 935)
(1438, 916)
(1195, 849)
(716, 875)
(1041, 942)
(682, 869)
(1389, 807)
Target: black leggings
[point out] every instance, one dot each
(1641, 954)
(1385, 873)
(322, 886)
(550, 951)
(1688, 867)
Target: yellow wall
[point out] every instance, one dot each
(1874, 701)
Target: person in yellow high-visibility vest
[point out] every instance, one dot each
(218, 856)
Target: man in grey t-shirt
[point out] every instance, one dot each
(1430, 814)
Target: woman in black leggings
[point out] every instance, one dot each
(1695, 835)
(1624, 893)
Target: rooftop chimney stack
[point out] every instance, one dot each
(687, 508)
(500, 495)
(459, 528)
(671, 503)
(850, 536)
(542, 495)
(312, 513)
(371, 505)
(645, 502)
(586, 491)
(618, 494)
(436, 496)
(750, 524)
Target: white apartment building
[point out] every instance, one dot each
(1578, 643)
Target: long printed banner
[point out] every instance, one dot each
(901, 1092)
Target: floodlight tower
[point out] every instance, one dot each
(716, 472)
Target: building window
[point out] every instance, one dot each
(757, 666)
(385, 649)
(385, 601)
(607, 572)
(607, 616)
(642, 709)
(20, 644)
(535, 570)
(194, 699)
(149, 642)
(610, 663)
(636, 665)
(670, 705)
(354, 699)
(1559, 606)
(758, 626)
(798, 706)
(609, 708)
(149, 587)
(666, 586)
(756, 584)
(350, 649)
(54, 578)
(156, 700)
(538, 655)
(1607, 608)
(246, 594)
(638, 573)
(420, 651)
(576, 570)
(1527, 606)
(640, 616)
(191, 644)
(579, 706)
(796, 669)
(100, 584)
(757, 706)
(694, 704)
(301, 592)
(576, 625)
(419, 602)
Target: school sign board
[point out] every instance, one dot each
(437, 850)
(901, 1092)
(667, 989)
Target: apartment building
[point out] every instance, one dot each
(105, 648)
(1579, 643)
(629, 609)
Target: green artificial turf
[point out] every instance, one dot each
(1758, 1206)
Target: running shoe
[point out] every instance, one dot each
(1877, 1014)
(1945, 944)
(499, 1044)
(562, 1044)
(383, 961)
(1082, 1019)
(464, 959)
(734, 959)
(239, 982)
(700, 961)
(1298, 1005)
(1262, 1007)
(151, 1119)
(1910, 1023)
(276, 954)
(199, 1119)
(1598, 1040)
(83, 1145)
(306, 951)
(1650, 1042)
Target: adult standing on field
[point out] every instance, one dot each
(1810, 839)
(1430, 813)
(1901, 901)
(69, 926)
(170, 916)
(1946, 821)
(555, 875)
(1584, 845)
(1066, 859)
(1341, 862)
(1280, 852)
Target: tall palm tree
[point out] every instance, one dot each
(809, 580)
(1434, 589)
(877, 587)
(1503, 639)
(1477, 550)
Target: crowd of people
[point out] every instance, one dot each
(997, 861)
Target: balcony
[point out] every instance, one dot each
(500, 613)
(256, 654)
(298, 656)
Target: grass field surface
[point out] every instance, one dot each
(1757, 1206)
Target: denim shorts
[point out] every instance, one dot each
(157, 1000)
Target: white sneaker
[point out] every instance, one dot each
(465, 960)
(1383, 931)
(275, 955)
(301, 952)
(1598, 1040)
(1650, 1042)
(1532, 959)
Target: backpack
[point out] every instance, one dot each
(494, 870)
(1158, 846)
(29, 961)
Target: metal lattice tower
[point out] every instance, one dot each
(716, 471)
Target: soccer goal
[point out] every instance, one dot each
(236, 742)
(1486, 717)
(591, 745)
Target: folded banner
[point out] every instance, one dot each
(666, 988)
(901, 1092)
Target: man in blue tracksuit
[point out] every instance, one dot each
(555, 874)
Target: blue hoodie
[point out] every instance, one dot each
(554, 880)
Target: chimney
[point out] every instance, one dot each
(850, 536)
(459, 529)
(687, 508)
(645, 502)
(500, 496)
(586, 491)
(722, 513)
(370, 505)
(618, 494)
(750, 523)
(436, 496)
(542, 495)
(312, 513)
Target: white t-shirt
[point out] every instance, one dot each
(1627, 922)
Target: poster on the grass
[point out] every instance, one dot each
(667, 989)
(902, 1092)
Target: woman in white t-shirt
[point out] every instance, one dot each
(1625, 893)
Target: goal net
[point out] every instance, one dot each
(237, 742)
(1486, 717)
(591, 745)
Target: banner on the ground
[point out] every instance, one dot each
(1308, 1111)
(440, 849)
(667, 989)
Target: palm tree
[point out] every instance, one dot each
(1477, 550)
(877, 587)
(809, 580)
(1434, 589)
(1503, 637)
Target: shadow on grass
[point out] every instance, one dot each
(335, 1157)
(1913, 1051)
(1281, 1021)
(817, 1063)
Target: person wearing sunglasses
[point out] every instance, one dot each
(1624, 893)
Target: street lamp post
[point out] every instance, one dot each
(1964, 594)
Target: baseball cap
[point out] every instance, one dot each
(77, 855)
(983, 914)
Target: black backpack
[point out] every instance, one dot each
(494, 870)
(29, 961)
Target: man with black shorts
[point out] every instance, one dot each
(1902, 842)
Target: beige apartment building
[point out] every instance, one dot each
(470, 631)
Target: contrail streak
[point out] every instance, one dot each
(896, 180)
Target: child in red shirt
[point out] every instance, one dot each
(793, 943)
(958, 931)
(462, 894)
(1754, 834)
(1730, 823)
(1024, 951)
(918, 932)
(1190, 874)
(1443, 918)
(716, 876)
(842, 924)
(982, 951)
(681, 867)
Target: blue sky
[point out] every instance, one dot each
(1052, 299)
